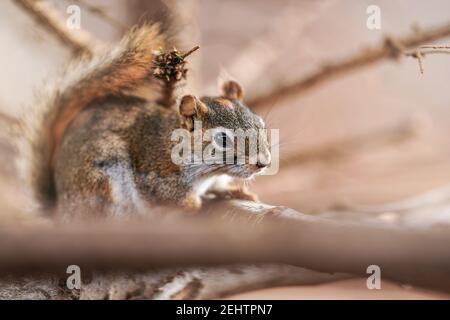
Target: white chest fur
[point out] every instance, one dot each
(219, 183)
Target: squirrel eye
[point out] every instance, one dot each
(223, 140)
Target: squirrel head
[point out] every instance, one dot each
(225, 119)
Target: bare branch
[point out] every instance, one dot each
(200, 282)
(388, 50)
(422, 51)
(251, 233)
(78, 42)
(174, 283)
(339, 149)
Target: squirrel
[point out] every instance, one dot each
(100, 140)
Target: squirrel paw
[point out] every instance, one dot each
(192, 203)
(235, 193)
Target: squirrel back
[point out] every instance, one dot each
(122, 69)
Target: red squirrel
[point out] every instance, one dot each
(94, 141)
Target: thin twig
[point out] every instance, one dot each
(188, 53)
(388, 50)
(420, 53)
(48, 17)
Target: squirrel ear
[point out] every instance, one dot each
(191, 107)
(232, 90)
(187, 106)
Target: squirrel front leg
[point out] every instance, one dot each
(234, 192)
(191, 202)
(228, 188)
(222, 187)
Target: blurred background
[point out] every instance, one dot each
(378, 134)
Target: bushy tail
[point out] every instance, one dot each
(125, 68)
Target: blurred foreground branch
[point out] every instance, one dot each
(390, 49)
(77, 41)
(234, 232)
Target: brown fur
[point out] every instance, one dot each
(118, 70)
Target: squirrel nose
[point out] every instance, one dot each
(259, 164)
(263, 160)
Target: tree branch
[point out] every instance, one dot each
(201, 282)
(340, 149)
(79, 42)
(388, 50)
(250, 233)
